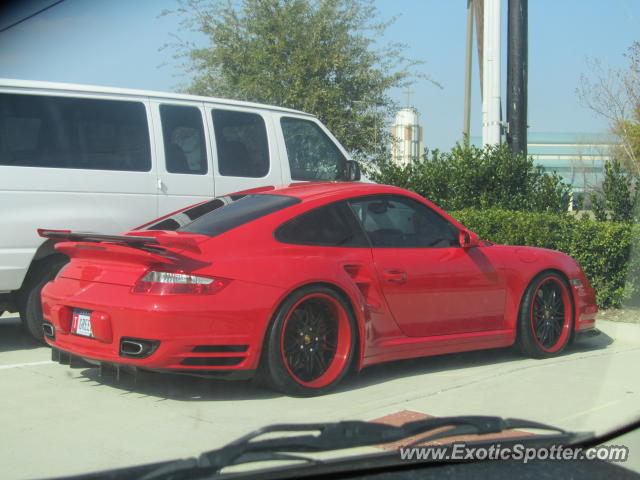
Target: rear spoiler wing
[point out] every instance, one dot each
(162, 239)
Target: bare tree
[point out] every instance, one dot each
(614, 94)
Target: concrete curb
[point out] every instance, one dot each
(620, 331)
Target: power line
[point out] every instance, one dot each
(31, 16)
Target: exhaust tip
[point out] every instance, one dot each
(49, 330)
(130, 347)
(137, 347)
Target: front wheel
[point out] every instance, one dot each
(545, 322)
(310, 344)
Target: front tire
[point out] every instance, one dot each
(310, 345)
(545, 322)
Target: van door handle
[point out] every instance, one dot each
(395, 276)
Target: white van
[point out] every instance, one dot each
(102, 159)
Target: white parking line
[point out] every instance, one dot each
(30, 364)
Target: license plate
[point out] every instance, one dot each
(81, 322)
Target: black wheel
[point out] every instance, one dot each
(310, 344)
(31, 308)
(545, 322)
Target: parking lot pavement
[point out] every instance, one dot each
(59, 421)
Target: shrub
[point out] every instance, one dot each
(619, 196)
(471, 177)
(607, 251)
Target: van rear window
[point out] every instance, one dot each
(67, 132)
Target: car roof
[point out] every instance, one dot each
(337, 190)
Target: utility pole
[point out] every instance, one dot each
(467, 75)
(475, 9)
(517, 68)
(478, 7)
(491, 99)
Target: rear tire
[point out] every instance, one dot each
(31, 307)
(311, 343)
(545, 321)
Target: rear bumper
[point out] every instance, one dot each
(15, 263)
(203, 334)
(73, 361)
(8, 302)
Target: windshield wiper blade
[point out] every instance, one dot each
(321, 437)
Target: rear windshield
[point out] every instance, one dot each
(234, 210)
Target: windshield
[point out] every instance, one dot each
(489, 266)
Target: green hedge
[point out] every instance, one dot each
(472, 177)
(607, 251)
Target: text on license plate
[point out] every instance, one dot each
(81, 322)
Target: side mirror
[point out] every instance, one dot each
(351, 171)
(468, 239)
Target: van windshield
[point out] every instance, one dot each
(312, 154)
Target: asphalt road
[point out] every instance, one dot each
(57, 421)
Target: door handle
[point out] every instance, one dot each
(395, 276)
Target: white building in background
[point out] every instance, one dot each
(407, 137)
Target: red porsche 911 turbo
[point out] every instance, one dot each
(301, 284)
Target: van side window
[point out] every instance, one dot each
(241, 142)
(62, 132)
(184, 144)
(312, 154)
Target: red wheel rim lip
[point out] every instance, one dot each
(343, 347)
(564, 334)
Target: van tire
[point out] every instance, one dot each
(31, 306)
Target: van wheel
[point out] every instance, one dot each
(31, 308)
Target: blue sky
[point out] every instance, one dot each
(117, 43)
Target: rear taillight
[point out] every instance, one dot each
(176, 283)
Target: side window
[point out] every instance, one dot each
(401, 222)
(184, 144)
(241, 142)
(312, 154)
(332, 225)
(66, 132)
